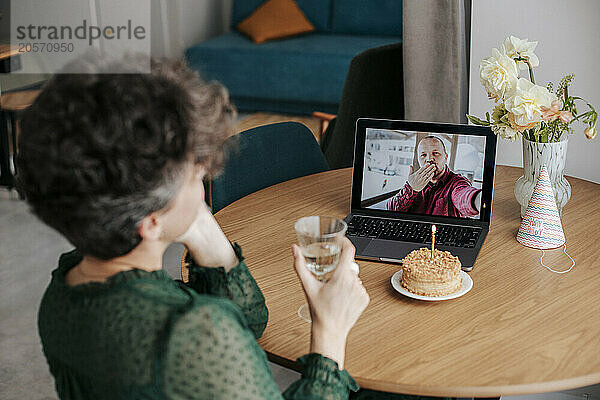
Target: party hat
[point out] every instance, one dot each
(541, 227)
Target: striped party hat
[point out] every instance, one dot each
(541, 227)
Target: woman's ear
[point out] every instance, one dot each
(151, 228)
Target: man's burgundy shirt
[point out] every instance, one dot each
(451, 195)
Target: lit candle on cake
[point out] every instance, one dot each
(433, 230)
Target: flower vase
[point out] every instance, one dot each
(553, 156)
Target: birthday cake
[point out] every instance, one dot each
(431, 276)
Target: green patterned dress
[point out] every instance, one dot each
(143, 335)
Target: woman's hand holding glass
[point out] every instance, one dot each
(335, 305)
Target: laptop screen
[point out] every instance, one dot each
(432, 172)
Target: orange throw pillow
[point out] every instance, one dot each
(275, 19)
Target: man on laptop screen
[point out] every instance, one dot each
(423, 173)
(434, 189)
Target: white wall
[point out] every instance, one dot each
(201, 19)
(568, 33)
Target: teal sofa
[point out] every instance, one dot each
(299, 74)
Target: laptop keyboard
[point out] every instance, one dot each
(410, 231)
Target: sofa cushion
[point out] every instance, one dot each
(275, 19)
(318, 12)
(310, 68)
(373, 17)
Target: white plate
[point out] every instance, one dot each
(467, 284)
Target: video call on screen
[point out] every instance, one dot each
(458, 161)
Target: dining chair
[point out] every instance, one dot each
(374, 88)
(265, 156)
(262, 157)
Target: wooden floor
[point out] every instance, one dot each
(261, 118)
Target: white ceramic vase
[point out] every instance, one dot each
(553, 156)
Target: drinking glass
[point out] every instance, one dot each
(320, 240)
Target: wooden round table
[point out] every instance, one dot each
(520, 330)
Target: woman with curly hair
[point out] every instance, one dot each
(115, 163)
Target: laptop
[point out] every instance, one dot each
(409, 176)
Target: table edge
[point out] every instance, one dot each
(457, 391)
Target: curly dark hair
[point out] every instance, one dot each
(100, 151)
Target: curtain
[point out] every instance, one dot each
(436, 36)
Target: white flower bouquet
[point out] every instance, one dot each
(524, 108)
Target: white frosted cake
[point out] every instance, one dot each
(431, 276)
